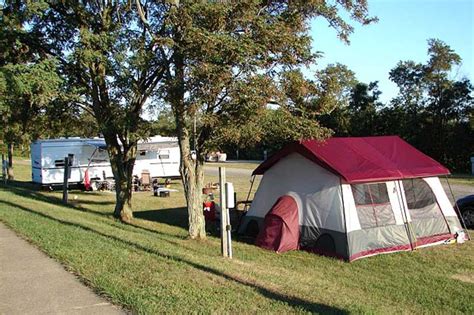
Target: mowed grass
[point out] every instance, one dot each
(152, 267)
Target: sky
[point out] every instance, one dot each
(401, 33)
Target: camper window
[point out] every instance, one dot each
(421, 201)
(164, 154)
(373, 205)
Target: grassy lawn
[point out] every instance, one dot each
(151, 266)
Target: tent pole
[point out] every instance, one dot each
(344, 218)
(456, 208)
(250, 191)
(404, 215)
(246, 202)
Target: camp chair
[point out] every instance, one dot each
(145, 180)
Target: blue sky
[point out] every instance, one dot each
(401, 34)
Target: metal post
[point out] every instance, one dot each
(224, 248)
(66, 180)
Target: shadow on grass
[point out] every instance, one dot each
(173, 216)
(177, 217)
(292, 301)
(37, 196)
(30, 190)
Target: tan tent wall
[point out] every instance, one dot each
(445, 204)
(314, 188)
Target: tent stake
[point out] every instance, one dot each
(458, 212)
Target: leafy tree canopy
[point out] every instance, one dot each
(217, 64)
(226, 60)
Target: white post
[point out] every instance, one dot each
(222, 197)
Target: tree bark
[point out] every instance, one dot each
(190, 169)
(123, 205)
(192, 176)
(10, 174)
(122, 161)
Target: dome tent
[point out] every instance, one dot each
(280, 231)
(357, 197)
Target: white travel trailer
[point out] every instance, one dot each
(159, 156)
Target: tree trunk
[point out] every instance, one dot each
(10, 175)
(192, 177)
(190, 169)
(123, 205)
(122, 162)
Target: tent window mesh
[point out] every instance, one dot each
(421, 201)
(373, 205)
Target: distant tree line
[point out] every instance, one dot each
(432, 111)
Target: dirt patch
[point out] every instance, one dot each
(464, 277)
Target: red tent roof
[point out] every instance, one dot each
(363, 159)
